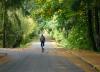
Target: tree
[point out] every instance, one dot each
(13, 25)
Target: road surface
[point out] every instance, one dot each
(33, 60)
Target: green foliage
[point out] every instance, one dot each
(65, 21)
(78, 37)
(27, 25)
(1, 23)
(17, 26)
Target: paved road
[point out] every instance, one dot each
(33, 60)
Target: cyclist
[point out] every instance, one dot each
(42, 40)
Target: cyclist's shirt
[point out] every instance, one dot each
(42, 39)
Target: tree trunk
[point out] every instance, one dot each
(19, 38)
(4, 23)
(90, 26)
(97, 28)
(97, 20)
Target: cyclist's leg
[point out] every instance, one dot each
(43, 43)
(42, 46)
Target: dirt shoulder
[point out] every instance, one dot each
(92, 58)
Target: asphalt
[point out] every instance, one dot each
(34, 60)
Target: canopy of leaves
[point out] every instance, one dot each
(66, 21)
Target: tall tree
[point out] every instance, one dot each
(97, 22)
(4, 22)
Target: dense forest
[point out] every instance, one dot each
(74, 24)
